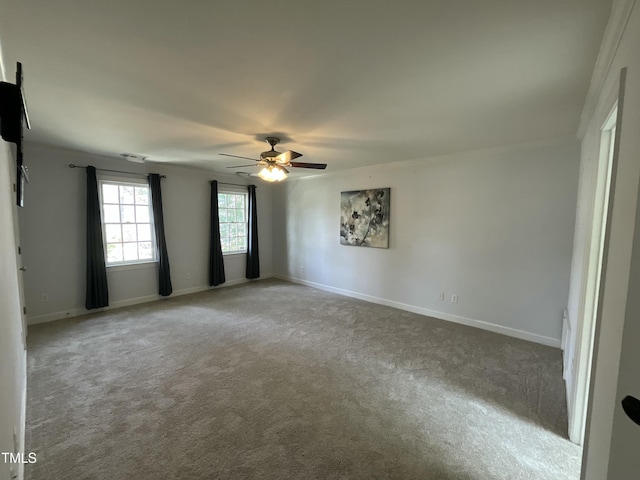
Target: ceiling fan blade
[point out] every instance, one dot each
(241, 166)
(283, 169)
(236, 156)
(286, 157)
(317, 166)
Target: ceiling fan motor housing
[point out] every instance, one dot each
(270, 154)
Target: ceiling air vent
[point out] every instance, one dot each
(133, 158)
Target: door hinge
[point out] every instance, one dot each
(19, 250)
(24, 310)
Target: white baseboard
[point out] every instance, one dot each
(23, 418)
(76, 312)
(511, 332)
(471, 322)
(567, 351)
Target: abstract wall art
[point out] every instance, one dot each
(364, 218)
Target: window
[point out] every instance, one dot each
(232, 210)
(127, 221)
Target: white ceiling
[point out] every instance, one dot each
(348, 83)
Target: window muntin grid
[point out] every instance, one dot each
(232, 212)
(127, 221)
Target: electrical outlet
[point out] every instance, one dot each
(188, 275)
(441, 296)
(44, 297)
(454, 298)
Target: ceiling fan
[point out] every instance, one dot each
(275, 163)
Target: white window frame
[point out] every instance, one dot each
(135, 182)
(244, 193)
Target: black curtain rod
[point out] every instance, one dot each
(235, 184)
(71, 165)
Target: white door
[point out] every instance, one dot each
(612, 445)
(624, 460)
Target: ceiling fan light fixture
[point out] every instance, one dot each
(272, 173)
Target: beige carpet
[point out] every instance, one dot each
(273, 380)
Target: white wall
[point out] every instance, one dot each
(602, 457)
(53, 233)
(13, 381)
(494, 227)
(13, 356)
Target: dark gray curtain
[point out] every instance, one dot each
(253, 260)
(97, 291)
(164, 277)
(216, 260)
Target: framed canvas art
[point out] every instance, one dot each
(364, 218)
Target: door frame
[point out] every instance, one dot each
(591, 276)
